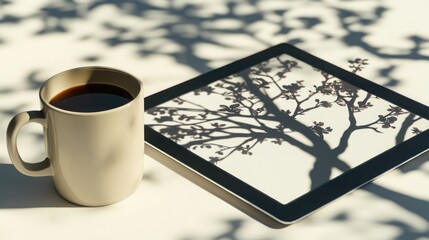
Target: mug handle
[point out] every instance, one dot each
(39, 169)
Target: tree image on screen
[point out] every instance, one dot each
(283, 102)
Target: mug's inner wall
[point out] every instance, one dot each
(89, 75)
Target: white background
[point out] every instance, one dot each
(167, 42)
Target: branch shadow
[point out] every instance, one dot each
(20, 191)
(189, 118)
(417, 206)
(357, 37)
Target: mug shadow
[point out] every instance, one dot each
(20, 191)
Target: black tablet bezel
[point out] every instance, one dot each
(320, 196)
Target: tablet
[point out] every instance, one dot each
(281, 133)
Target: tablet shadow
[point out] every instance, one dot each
(20, 191)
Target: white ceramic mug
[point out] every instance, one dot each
(95, 158)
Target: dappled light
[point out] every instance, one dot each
(166, 42)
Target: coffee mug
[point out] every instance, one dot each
(95, 153)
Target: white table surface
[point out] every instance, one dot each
(168, 42)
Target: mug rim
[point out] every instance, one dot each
(45, 102)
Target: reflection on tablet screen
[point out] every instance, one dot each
(283, 126)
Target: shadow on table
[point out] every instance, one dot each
(20, 191)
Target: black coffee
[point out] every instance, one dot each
(91, 98)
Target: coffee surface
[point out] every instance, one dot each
(91, 98)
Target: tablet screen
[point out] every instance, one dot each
(283, 126)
